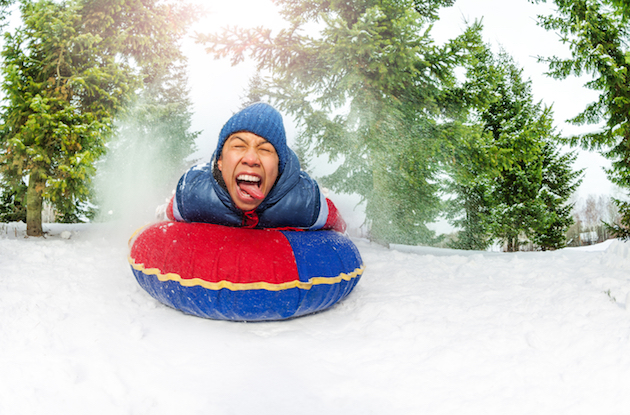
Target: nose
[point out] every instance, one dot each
(251, 158)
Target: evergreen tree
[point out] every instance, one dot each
(510, 179)
(303, 152)
(5, 10)
(254, 91)
(559, 182)
(68, 72)
(150, 149)
(597, 32)
(60, 97)
(475, 157)
(471, 181)
(152, 143)
(13, 205)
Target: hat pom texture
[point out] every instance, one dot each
(263, 120)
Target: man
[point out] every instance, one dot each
(254, 180)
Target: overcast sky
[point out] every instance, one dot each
(217, 88)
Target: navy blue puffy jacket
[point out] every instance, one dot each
(294, 201)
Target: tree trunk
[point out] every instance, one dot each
(34, 205)
(511, 244)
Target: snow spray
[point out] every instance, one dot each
(134, 178)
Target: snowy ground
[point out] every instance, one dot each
(426, 331)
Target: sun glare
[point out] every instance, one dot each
(242, 13)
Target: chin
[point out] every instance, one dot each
(247, 206)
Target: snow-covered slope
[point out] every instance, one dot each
(425, 332)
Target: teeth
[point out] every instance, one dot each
(248, 178)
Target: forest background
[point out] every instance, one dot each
(218, 89)
(508, 25)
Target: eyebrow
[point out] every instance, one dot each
(235, 135)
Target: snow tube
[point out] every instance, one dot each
(226, 273)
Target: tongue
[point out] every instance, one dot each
(252, 190)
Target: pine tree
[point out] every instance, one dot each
(150, 149)
(559, 182)
(509, 179)
(597, 32)
(13, 205)
(60, 98)
(254, 91)
(68, 72)
(471, 181)
(5, 11)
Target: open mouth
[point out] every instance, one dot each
(250, 185)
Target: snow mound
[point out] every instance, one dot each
(618, 248)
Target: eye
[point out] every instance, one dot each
(267, 148)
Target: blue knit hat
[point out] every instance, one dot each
(263, 120)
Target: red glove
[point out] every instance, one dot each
(169, 209)
(334, 220)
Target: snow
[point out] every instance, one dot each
(426, 331)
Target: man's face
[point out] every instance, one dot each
(249, 166)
